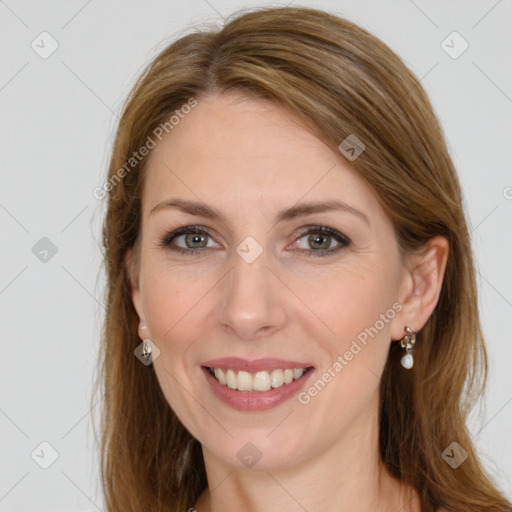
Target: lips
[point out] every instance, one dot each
(256, 401)
(258, 365)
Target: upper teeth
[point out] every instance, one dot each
(259, 381)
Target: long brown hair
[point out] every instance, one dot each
(339, 80)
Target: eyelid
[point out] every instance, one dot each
(325, 230)
(341, 238)
(171, 235)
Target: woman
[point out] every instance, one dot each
(292, 309)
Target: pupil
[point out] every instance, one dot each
(314, 239)
(194, 238)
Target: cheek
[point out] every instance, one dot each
(350, 300)
(172, 302)
(357, 307)
(176, 320)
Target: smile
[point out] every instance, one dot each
(259, 381)
(250, 399)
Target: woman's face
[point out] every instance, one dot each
(317, 287)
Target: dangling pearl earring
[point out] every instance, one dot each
(407, 343)
(146, 345)
(146, 349)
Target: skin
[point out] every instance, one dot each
(249, 159)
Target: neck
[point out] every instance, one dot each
(345, 476)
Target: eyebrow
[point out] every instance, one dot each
(204, 210)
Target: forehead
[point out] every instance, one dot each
(232, 149)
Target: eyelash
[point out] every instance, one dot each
(344, 241)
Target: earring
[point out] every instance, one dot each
(146, 349)
(407, 343)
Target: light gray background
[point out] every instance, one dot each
(57, 121)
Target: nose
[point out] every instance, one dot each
(253, 303)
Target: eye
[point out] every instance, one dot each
(321, 238)
(191, 239)
(194, 239)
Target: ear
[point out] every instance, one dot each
(421, 286)
(131, 262)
